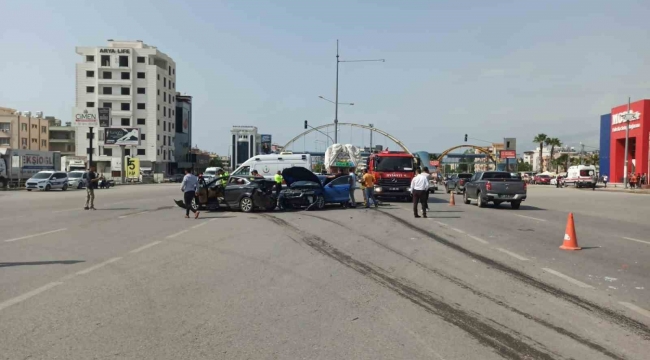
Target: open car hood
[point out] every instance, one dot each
(298, 173)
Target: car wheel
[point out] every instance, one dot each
(3, 183)
(515, 204)
(479, 200)
(79, 186)
(466, 200)
(246, 204)
(447, 190)
(65, 187)
(48, 187)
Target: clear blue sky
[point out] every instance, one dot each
(487, 68)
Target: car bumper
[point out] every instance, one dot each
(31, 186)
(504, 197)
(387, 192)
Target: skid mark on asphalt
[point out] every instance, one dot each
(593, 308)
(36, 235)
(633, 307)
(507, 344)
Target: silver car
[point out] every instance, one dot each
(77, 179)
(48, 180)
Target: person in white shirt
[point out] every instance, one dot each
(420, 188)
(189, 186)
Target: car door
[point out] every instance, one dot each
(470, 186)
(338, 190)
(234, 189)
(55, 181)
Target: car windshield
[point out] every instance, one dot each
(497, 175)
(74, 175)
(42, 176)
(305, 184)
(394, 164)
(209, 173)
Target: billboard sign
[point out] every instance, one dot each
(132, 167)
(434, 163)
(122, 136)
(266, 144)
(104, 116)
(508, 154)
(85, 117)
(510, 143)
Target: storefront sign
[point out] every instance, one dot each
(114, 51)
(266, 144)
(122, 136)
(620, 117)
(508, 154)
(85, 117)
(622, 128)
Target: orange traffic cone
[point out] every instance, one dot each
(570, 238)
(452, 202)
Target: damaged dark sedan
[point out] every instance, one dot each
(305, 190)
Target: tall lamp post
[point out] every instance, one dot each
(629, 116)
(336, 100)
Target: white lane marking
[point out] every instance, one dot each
(11, 218)
(637, 240)
(441, 224)
(27, 295)
(568, 278)
(516, 256)
(138, 213)
(35, 235)
(458, 230)
(477, 239)
(633, 307)
(95, 267)
(145, 247)
(67, 210)
(178, 233)
(529, 217)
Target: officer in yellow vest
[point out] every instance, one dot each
(278, 183)
(223, 176)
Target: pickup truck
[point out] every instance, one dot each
(457, 183)
(495, 186)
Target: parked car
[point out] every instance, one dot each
(543, 179)
(495, 186)
(176, 178)
(457, 183)
(306, 190)
(47, 180)
(77, 179)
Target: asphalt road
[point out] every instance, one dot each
(135, 280)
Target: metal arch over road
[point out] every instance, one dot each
(481, 149)
(394, 139)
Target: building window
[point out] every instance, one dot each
(164, 125)
(23, 127)
(158, 92)
(24, 141)
(141, 59)
(164, 155)
(174, 85)
(158, 107)
(90, 58)
(107, 75)
(108, 91)
(141, 75)
(173, 112)
(43, 143)
(164, 81)
(174, 71)
(124, 61)
(34, 141)
(44, 129)
(126, 121)
(127, 152)
(158, 124)
(158, 77)
(106, 60)
(158, 137)
(164, 140)
(4, 141)
(142, 106)
(141, 152)
(108, 105)
(126, 75)
(108, 151)
(90, 104)
(141, 122)
(125, 106)
(141, 90)
(170, 70)
(143, 137)
(164, 111)
(90, 73)
(6, 127)
(34, 126)
(125, 91)
(157, 151)
(90, 89)
(173, 126)
(164, 96)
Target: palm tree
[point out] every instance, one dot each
(564, 161)
(540, 138)
(553, 142)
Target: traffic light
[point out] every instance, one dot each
(465, 136)
(305, 124)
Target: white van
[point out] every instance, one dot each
(581, 175)
(210, 173)
(269, 165)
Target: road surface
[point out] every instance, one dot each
(136, 280)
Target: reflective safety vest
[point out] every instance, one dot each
(224, 178)
(278, 178)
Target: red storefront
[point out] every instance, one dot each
(637, 143)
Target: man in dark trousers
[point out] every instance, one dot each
(92, 178)
(188, 187)
(420, 188)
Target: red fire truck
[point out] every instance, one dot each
(393, 171)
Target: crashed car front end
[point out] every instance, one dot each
(300, 195)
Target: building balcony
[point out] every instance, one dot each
(61, 141)
(114, 81)
(115, 97)
(121, 113)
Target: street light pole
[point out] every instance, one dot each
(371, 126)
(627, 118)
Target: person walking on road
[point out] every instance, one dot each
(188, 187)
(91, 177)
(353, 185)
(278, 183)
(594, 180)
(369, 182)
(420, 189)
(605, 178)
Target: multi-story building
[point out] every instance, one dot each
(62, 138)
(246, 143)
(23, 130)
(138, 82)
(183, 133)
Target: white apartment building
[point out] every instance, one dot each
(138, 82)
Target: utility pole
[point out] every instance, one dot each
(627, 117)
(582, 151)
(371, 126)
(336, 99)
(90, 148)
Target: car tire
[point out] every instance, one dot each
(3, 183)
(447, 190)
(65, 187)
(515, 204)
(479, 200)
(246, 204)
(48, 187)
(466, 200)
(79, 186)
